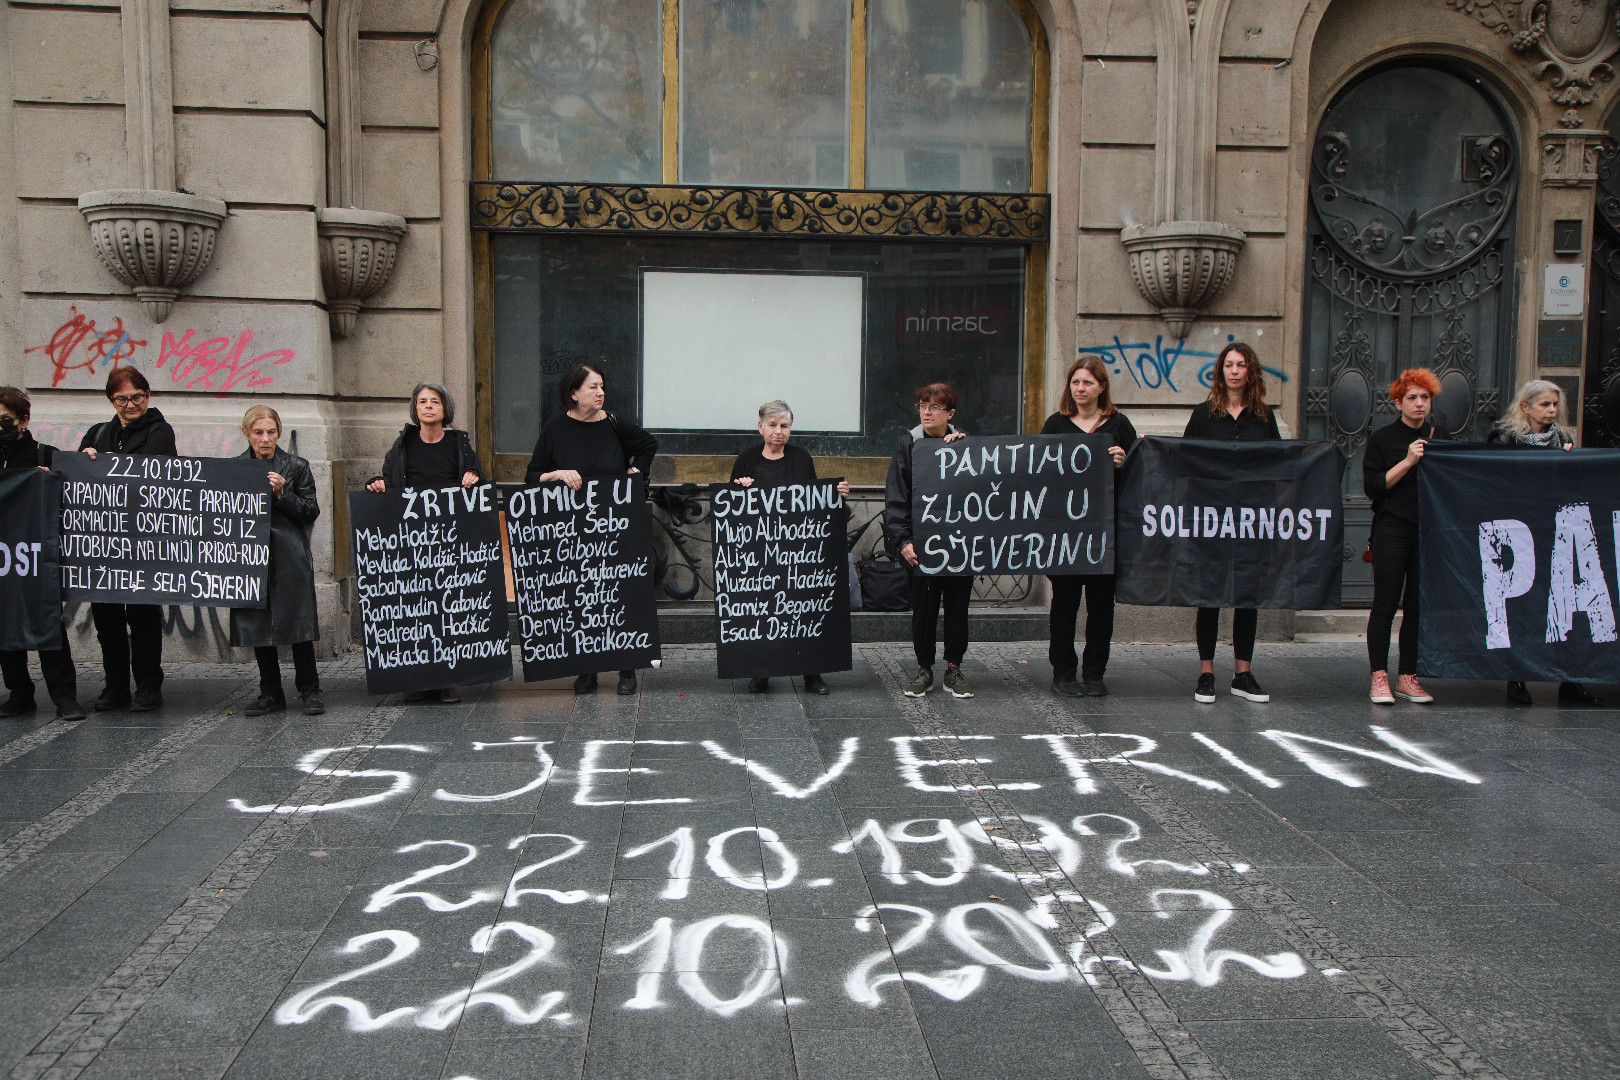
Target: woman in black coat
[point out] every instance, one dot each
(771, 464)
(289, 618)
(131, 635)
(1235, 412)
(429, 453)
(587, 440)
(1086, 407)
(19, 450)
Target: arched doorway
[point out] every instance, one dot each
(1414, 172)
(1600, 407)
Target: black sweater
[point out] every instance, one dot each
(150, 434)
(26, 453)
(1385, 449)
(396, 468)
(1117, 425)
(795, 466)
(605, 447)
(1247, 427)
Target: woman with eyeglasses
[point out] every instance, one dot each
(131, 635)
(936, 406)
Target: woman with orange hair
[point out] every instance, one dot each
(1394, 454)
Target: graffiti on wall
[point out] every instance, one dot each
(1162, 367)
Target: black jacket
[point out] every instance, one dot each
(393, 473)
(151, 434)
(1385, 448)
(552, 451)
(801, 467)
(26, 453)
(290, 616)
(897, 492)
(1247, 427)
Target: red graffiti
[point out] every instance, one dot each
(217, 364)
(79, 333)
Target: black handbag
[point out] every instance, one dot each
(884, 585)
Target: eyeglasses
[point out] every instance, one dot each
(929, 406)
(129, 399)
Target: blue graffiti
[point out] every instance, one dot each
(1153, 366)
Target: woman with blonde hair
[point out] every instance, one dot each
(1087, 407)
(1534, 420)
(289, 618)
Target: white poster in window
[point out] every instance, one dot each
(1563, 291)
(716, 345)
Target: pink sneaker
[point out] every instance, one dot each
(1407, 687)
(1380, 689)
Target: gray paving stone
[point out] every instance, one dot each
(190, 1063)
(1305, 1050)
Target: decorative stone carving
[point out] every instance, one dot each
(1570, 158)
(156, 242)
(1181, 266)
(1568, 43)
(358, 250)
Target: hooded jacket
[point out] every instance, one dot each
(151, 434)
(897, 491)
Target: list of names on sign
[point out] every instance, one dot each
(583, 569)
(1031, 504)
(164, 530)
(430, 579)
(781, 579)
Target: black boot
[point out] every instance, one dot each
(813, 684)
(17, 706)
(1063, 683)
(759, 686)
(627, 683)
(1573, 693)
(1518, 694)
(585, 684)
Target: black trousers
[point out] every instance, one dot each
(1245, 624)
(61, 681)
(131, 637)
(1395, 585)
(305, 677)
(1066, 593)
(927, 594)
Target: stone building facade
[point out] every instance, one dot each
(316, 205)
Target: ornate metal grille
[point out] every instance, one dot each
(760, 212)
(1600, 407)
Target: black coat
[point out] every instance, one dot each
(26, 453)
(795, 462)
(151, 434)
(290, 617)
(393, 473)
(897, 492)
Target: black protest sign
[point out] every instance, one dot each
(431, 581)
(582, 564)
(1031, 504)
(781, 579)
(1517, 552)
(1231, 524)
(30, 583)
(164, 530)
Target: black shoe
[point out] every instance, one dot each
(1063, 683)
(414, 696)
(759, 686)
(449, 696)
(1095, 688)
(69, 710)
(313, 705)
(16, 706)
(1518, 694)
(1244, 686)
(1205, 690)
(1573, 693)
(110, 700)
(585, 684)
(814, 684)
(147, 700)
(627, 683)
(263, 704)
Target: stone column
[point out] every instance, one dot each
(148, 94)
(1569, 159)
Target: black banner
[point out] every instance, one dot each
(164, 530)
(30, 582)
(781, 579)
(431, 583)
(1030, 504)
(583, 567)
(1231, 524)
(1518, 564)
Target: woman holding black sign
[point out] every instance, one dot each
(1235, 412)
(587, 440)
(19, 450)
(936, 405)
(429, 453)
(1533, 420)
(1086, 407)
(289, 618)
(131, 635)
(1394, 454)
(772, 464)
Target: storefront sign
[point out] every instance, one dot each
(781, 579)
(1519, 570)
(1030, 504)
(1558, 343)
(1231, 524)
(582, 565)
(30, 584)
(967, 322)
(1563, 291)
(430, 581)
(164, 530)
